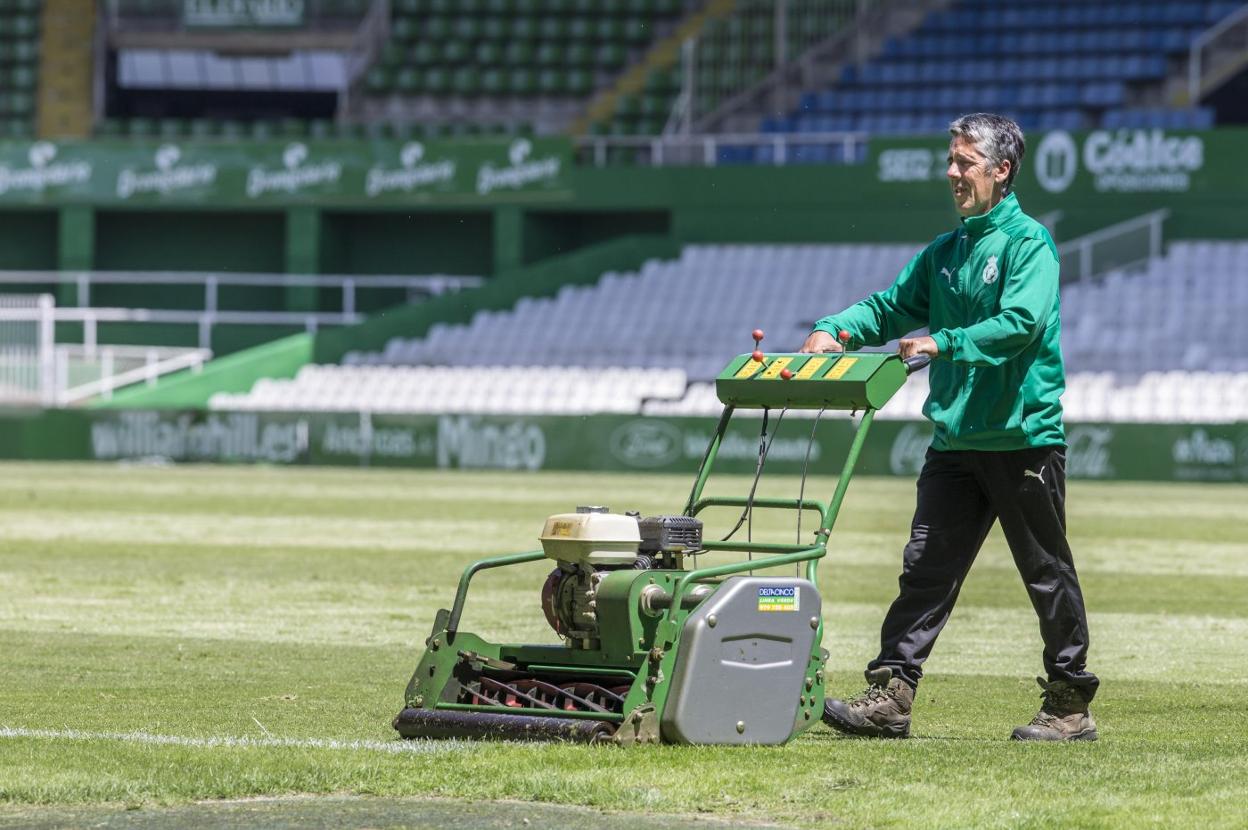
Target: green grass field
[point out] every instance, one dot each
(175, 635)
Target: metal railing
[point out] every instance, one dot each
(349, 286)
(370, 37)
(1124, 245)
(705, 150)
(36, 371)
(1216, 54)
(731, 56)
(861, 27)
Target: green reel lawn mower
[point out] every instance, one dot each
(655, 651)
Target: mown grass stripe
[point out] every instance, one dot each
(395, 747)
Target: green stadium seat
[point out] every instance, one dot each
(293, 128)
(627, 106)
(466, 81)
(609, 29)
(437, 80)
(320, 128)
(353, 132)
(655, 106)
(524, 28)
(202, 128)
(637, 30)
(232, 130)
(437, 28)
(408, 80)
(25, 51)
(578, 54)
(443, 6)
(518, 53)
(472, 6)
(553, 28)
(405, 29)
(455, 51)
(493, 82)
(580, 82)
(172, 128)
(378, 79)
(488, 53)
(425, 53)
(612, 7)
(500, 7)
(550, 82)
(263, 130)
(409, 7)
(589, 8)
(527, 7)
(522, 82)
(392, 54)
(495, 28)
(108, 128)
(611, 55)
(140, 128)
(467, 28)
(549, 54)
(580, 28)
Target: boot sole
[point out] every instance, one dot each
(867, 729)
(1086, 735)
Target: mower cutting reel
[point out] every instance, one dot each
(653, 651)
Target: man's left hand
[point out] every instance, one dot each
(911, 346)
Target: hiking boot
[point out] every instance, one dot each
(1063, 716)
(882, 711)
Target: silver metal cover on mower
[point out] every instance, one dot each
(742, 661)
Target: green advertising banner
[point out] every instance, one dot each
(1140, 452)
(271, 173)
(1075, 167)
(243, 14)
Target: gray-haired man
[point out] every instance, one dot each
(987, 292)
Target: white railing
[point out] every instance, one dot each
(703, 150)
(212, 314)
(1229, 34)
(35, 370)
(1124, 245)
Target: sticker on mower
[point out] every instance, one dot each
(779, 598)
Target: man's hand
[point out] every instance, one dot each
(911, 346)
(820, 342)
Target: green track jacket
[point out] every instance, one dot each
(988, 294)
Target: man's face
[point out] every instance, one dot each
(977, 185)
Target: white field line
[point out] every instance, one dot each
(397, 747)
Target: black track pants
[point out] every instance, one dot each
(960, 494)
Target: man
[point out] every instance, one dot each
(987, 292)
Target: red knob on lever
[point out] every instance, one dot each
(843, 336)
(785, 374)
(758, 356)
(758, 336)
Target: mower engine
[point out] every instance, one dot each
(592, 542)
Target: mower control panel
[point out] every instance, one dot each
(857, 380)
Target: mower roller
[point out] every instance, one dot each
(652, 650)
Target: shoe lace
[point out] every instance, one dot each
(874, 693)
(1056, 699)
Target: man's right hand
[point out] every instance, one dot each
(820, 342)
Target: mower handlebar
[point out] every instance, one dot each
(917, 362)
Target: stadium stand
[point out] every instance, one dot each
(19, 57)
(1050, 65)
(636, 332)
(468, 65)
